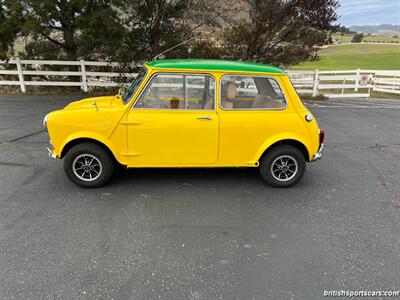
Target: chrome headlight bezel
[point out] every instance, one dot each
(45, 121)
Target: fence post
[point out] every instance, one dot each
(20, 75)
(316, 82)
(370, 78)
(357, 81)
(394, 82)
(83, 74)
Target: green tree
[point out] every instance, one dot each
(152, 26)
(71, 28)
(344, 30)
(280, 32)
(357, 38)
(10, 26)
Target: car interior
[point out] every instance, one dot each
(172, 97)
(252, 93)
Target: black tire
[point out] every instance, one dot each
(290, 156)
(95, 175)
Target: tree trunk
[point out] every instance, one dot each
(71, 50)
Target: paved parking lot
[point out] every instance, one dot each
(203, 233)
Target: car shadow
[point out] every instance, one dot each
(185, 175)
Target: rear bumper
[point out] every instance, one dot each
(318, 155)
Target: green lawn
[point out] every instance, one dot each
(363, 56)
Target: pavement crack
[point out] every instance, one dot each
(382, 180)
(382, 147)
(392, 195)
(11, 164)
(394, 199)
(24, 136)
(379, 147)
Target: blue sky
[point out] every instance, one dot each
(369, 12)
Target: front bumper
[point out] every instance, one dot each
(318, 155)
(51, 151)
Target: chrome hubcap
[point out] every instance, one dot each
(87, 167)
(284, 168)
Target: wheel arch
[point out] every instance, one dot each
(286, 141)
(78, 140)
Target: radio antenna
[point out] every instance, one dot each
(172, 48)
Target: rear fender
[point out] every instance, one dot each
(281, 137)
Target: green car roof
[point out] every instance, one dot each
(213, 64)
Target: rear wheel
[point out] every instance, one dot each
(88, 165)
(282, 166)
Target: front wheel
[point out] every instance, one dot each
(283, 166)
(88, 165)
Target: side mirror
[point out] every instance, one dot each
(121, 91)
(94, 103)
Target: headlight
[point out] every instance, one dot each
(45, 121)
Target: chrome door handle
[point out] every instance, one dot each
(204, 118)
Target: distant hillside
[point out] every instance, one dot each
(384, 29)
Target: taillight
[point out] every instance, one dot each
(321, 136)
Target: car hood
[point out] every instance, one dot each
(96, 103)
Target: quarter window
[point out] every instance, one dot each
(175, 91)
(248, 92)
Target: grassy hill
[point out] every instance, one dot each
(346, 38)
(383, 29)
(363, 56)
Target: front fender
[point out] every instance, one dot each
(281, 137)
(87, 135)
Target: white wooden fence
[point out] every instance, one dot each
(344, 83)
(41, 77)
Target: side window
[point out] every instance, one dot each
(174, 91)
(251, 92)
(163, 91)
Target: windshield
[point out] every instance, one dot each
(134, 85)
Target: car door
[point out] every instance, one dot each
(174, 122)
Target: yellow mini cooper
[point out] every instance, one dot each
(190, 113)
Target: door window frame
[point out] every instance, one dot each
(250, 108)
(184, 92)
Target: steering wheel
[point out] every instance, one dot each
(160, 103)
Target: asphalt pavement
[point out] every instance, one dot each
(202, 233)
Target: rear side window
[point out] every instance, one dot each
(251, 92)
(178, 91)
